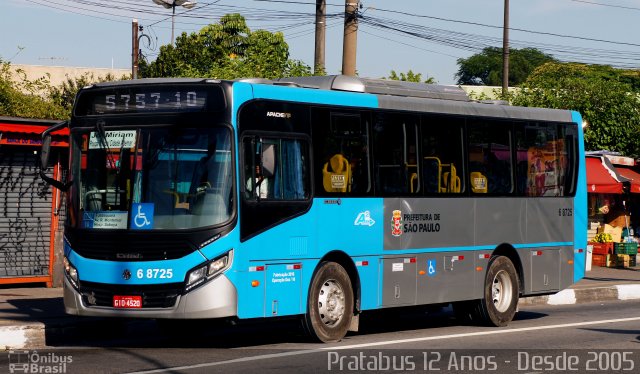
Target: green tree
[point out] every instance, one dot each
(485, 68)
(65, 93)
(410, 76)
(38, 98)
(226, 50)
(607, 103)
(20, 97)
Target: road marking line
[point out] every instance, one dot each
(382, 343)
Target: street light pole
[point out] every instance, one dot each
(188, 4)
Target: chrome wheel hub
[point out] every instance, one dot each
(331, 303)
(502, 291)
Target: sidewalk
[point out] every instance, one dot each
(33, 317)
(598, 284)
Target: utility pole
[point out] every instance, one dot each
(134, 49)
(350, 40)
(505, 51)
(321, 29)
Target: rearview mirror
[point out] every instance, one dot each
(44, 157)
(44, 152)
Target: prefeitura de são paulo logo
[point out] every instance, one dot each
(396, 223)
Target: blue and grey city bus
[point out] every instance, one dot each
(318, 197)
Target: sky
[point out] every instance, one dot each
(425, 36)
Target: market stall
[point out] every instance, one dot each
(612, 197)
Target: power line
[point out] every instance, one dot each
(607, 5)
(477, 43)
(295, 23)
(510, 28)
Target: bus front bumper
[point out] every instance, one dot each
(215, 299)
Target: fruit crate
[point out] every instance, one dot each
(625, 248)
(599, 260)
(602, 248)
(622, 261)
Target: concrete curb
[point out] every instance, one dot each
(586, 295)
(23, 336)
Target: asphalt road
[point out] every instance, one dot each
(579, 338)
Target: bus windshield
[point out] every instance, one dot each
(142, 179)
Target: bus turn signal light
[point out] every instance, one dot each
(255, 283)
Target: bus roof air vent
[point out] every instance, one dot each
(495, 102)
(380, 87)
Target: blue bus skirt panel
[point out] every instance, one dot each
(275, 282)
(580, 207)
(356, 227)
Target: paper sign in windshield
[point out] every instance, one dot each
(113, 140)
(104, 220)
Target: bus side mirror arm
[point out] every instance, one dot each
(44, 157)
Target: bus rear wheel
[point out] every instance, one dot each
(330, 303)
(501, 292)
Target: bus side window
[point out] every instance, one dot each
(442, 166)
(395, 148)
(341, 158)
(490, 157)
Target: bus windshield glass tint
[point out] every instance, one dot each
(143, 179)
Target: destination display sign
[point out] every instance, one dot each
(152, 98)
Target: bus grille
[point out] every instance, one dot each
(153, 296)
(119, 248)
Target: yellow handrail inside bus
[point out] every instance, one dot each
(448, 180)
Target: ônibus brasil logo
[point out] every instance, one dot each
(34, 362)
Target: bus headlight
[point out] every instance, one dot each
(217, 266)
(203, 273)
(70, 271)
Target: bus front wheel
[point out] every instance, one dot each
(501, 291)
(330, 303)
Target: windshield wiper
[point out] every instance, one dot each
(102, 136)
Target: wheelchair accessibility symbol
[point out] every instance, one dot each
(142, 216)
(431, 267)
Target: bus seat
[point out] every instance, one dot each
(93, 201)
(338, 179)
(479, 183)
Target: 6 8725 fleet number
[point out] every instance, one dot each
(154, 273)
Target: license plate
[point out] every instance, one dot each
(127, 301)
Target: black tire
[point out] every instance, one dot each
(330, 303)
(501, 292)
